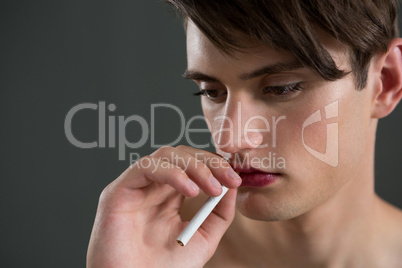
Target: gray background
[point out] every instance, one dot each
(57, 54)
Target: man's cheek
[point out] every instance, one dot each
(315, 137)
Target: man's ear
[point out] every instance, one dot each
(389, 86)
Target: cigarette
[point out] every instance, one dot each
(199, 218)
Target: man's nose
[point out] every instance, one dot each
(240, 127)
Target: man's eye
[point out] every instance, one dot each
(216, 95)
(282, 90)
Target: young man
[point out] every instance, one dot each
(299, 83)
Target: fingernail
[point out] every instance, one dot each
(193, 185)
(233, 174)
(214, 182)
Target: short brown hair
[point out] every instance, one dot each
(365, 26)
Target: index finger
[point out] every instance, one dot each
(219, 167)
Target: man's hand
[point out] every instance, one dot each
(138, 218)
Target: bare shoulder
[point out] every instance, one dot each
(391, 238)
(392, 218)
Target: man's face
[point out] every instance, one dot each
(266, 115)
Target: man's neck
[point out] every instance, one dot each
(329, 234)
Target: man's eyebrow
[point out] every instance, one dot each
(198, 76)
(266, 70)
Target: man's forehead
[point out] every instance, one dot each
(198, 45)
(202, 52)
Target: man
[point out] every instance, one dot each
(299, 82)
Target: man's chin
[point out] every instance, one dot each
(259, 207)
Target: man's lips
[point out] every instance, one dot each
(255, 178)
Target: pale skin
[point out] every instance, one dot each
(314, 215)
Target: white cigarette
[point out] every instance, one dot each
(199, 218)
